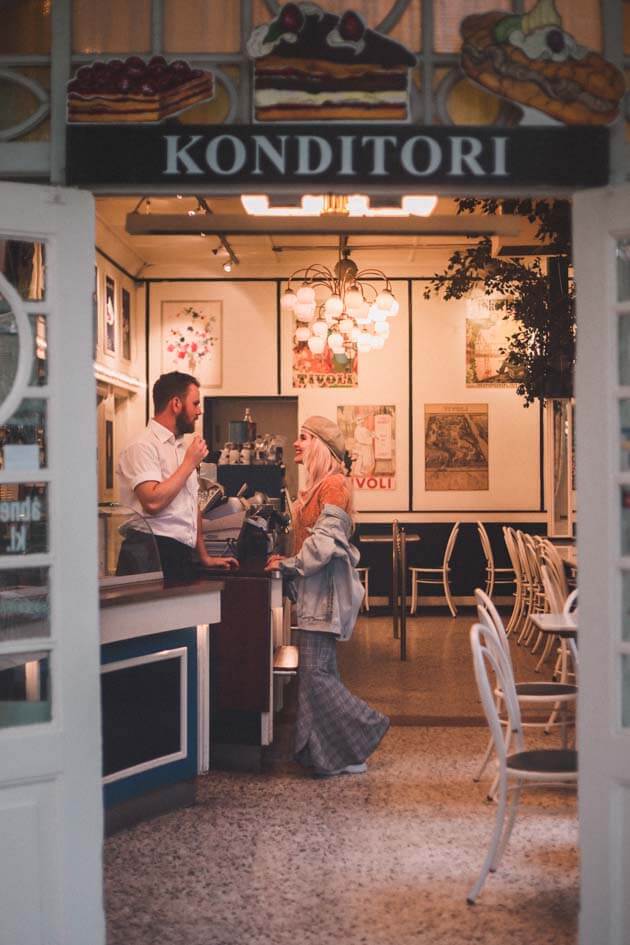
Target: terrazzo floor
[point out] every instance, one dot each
(384, 858)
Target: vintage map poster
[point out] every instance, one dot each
(456, 447)
(487, 333)
(370, 434)
(323, 370)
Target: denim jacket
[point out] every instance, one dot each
(322, 577)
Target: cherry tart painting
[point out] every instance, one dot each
(310, 65)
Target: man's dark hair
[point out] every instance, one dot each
(167, 386)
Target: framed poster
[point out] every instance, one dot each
(487, 333)
(456, 447)
(192, 340)
(95, 311)
(110, 315)
(323, 370)
(370, 434)
(125, 324)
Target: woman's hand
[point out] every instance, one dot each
(273, 562)
(226, 564)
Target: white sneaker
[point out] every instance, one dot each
(349, 769)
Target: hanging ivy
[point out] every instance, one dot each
(537, 294)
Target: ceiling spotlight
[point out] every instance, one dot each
(227, 266)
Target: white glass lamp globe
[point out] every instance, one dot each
(353, 298)
(393, 312)
(303, 333)
(382, 328)
(306, 294)
(335, 340)
(378, 314)
(378, 342)
(354, 334)
(364, 343)
(346, 325)
(328, 318)
(384, 300)
(319, 328)
(333, 306)
(317, 344)
(305, 311)
(363, 310)
(288, 300)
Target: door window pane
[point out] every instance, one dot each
(39, 371)
(24, 689)
(23, 438)
(24, 610)
(623, 270)
(23, 265)
(25, 27)
(624, 435)
(625, 691)
(9, 349)
(625, 605)
(624, 349)
(448, 16)
(201, 26)
(23, 518)
(625, 520)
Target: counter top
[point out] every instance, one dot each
(151, 590)
(253, 568)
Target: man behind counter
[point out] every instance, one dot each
(158, 478)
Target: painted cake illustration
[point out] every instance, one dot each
(317, 66)
(531, 60)
(136, 91)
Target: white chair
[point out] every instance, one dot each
(494, 575)
(493, 670)
(364, 577)
(509, 537)
(433, 576)
(549, 695)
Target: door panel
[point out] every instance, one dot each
(50, 791)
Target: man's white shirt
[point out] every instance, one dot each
(152, 457)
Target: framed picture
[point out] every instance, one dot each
(370, 435)
(110, 315)
(488, 329)
(95, 311)
(125, 324)
(192, 340)
(456, 447)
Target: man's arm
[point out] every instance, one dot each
(206, 560)
(155, 496)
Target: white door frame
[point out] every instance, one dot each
(600, 218)
(50, 773)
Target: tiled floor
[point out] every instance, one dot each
(383, 858)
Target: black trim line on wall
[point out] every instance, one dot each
(147, 336)
(279, 337)
(410, 386)
(541, 453)
(117, 266)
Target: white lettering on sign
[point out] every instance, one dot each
(302, 155)
(30, 510)
(309, 148)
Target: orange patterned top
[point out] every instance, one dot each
(333, 490)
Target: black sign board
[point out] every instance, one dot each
(413, 156)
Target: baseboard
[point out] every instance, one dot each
(464, 601)
(226, 757)
(136, 809)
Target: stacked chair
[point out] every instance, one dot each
(422, 576)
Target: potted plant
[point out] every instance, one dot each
(537, 293)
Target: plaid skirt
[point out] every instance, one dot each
(333, 728)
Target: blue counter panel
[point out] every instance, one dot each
(141, 716)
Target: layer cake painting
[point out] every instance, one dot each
(310, 65)
(135, 91)
(531, 60)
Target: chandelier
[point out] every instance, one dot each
(340, 309)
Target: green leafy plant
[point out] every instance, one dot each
(537, 293)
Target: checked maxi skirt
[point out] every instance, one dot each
(334, 728)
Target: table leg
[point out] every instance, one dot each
(395, 577)
(403, 594)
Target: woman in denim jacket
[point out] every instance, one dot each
(335, 731)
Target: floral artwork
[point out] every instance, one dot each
(191, 340)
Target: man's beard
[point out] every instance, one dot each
(183, 425)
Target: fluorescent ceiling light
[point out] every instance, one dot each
(357, 205)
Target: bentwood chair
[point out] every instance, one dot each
(517, 766)
(494, 576)
(535, 694)
(432, 576)
(364, 577)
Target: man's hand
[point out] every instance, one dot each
(273, 562)
(227, 564)
(196, 452)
